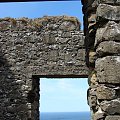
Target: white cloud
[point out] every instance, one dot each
(64, 84)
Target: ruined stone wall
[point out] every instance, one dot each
(102, 31)
(30, 49)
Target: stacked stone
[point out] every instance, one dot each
(34, 48)
(102, 30)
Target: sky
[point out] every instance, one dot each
(40, 9)
(63, 95)
(56, 95)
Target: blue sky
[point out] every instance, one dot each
(39, 9)
(63, 95)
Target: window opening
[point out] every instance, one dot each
(63, 98)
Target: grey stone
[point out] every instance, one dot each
(113, 2)
(98, 116)
(108, 12)
(113, 117)
(110, 47)
(67, 26)
(92, 80)
(92, 57)
(92, 21)
(92, 101)
(92, 3)
(66, 35)
(92, 91)
(108, 69)
(104, 92)
(110, 32)
(102, 36)
(48, 38)
(48, 46)
(111, 107)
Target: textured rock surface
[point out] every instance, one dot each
(115, 117)
(99, 116)
(111, 107)
(102, 42)
(113, 2)
(108, 69)
(108, 48)
(109, 32)
(104, 92)
(30, 49)
(109, 12)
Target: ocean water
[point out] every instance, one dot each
(65, 116)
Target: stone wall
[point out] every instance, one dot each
(102, 31)
(34, 48)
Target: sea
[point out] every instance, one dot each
(65, 116)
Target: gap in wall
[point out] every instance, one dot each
(62, 96)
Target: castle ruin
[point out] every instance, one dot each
(55, 47)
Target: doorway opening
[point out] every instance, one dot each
(63, 98)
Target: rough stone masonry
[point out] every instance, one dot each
(34, 48)
(102, 42)
(55, 47)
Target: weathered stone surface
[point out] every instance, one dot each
(111, 107)
(92, 57)
(104, 92)
(108, 69)
(117, 2)
(69, 24)
(98, 116)
(114, 117)
(110, 47)
(108, 12)
(31, 49)
(92, 91)
(110, 32)
(92, 3)
(102, 35)
(48, 38)
(92, 101)
(92, 79)
(92, 20)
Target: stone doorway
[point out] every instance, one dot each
(34, 96)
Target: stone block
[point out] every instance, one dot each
(92, 57)
(114, 117)
(92, 101)
(92, 79)
(98, 116)
(67, 26)
(66, 35)
(110, 47)
(104, 92)
(109, 32)
(109, 12)
(48, 38)
(92, 91)
(92, 3)
(108, 69)
(92, 20)
(111, 107)
(109, 1)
